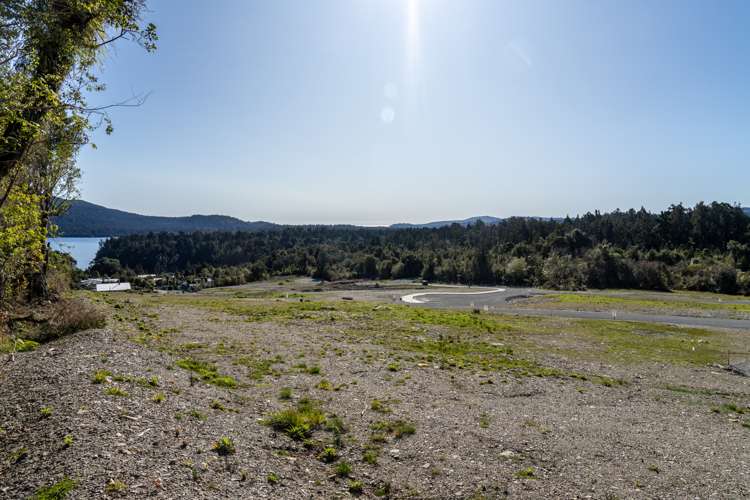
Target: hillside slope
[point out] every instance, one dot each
(89, 219)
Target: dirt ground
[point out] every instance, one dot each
(419, 404)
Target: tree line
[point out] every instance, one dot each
(706, 247)
(49, 51)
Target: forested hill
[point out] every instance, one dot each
(702, 248)
(87, 219)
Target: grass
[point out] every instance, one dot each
(273, 478)
(649, 304)
(526, 473)
(370, 455)
(328, 455)
(730, 408)
(46, 411)
(115, 391)
(207, 372)
(285, 393)
(297, 423)
(159, 397)
(397, 428)
(343, 469)
(356, 487)
(258, 369)
(115, 487)
(100, 376)
(57, 491)
(379, 406)
(68, 441)
(224, 447)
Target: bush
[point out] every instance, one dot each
(70, 316)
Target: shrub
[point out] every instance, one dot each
(70, 316)
(343, 469)
(297, 423)
(328, 455)
(224, 446)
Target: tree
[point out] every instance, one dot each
(48, 49)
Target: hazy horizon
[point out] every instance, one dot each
(383, 111)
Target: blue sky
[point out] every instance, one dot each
(380, 111)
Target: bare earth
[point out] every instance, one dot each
(575, 410)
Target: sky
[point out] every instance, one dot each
(380, 111)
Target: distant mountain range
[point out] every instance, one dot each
(487, 219)
(88, 219)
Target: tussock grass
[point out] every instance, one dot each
(207, 372)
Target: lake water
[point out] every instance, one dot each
(83, 250)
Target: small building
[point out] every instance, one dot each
(112, 287)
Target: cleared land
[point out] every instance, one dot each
(285, 390)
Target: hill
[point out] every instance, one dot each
(487, 219)
(89, 219)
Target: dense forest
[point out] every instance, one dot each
(702, 248)
(88, 219)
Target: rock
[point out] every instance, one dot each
(741, 368)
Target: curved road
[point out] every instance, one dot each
(497, 300)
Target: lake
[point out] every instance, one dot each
(83, 250)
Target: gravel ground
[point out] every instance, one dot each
(478, 434)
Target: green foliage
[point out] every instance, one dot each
(57, 491)
(703, 248)
(526, 473)
(285, 393)
(297, 423)
(356, 487)
(100, 376)
(343, 469)
(207, 372)
(224, 446)
(328, 455)
(116, 391)
(398, 428)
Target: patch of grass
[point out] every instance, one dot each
(484, 420)
(397, 428)
(115, 487)
(599, 301)
(393, 367)
(730, 408)
(116, 391)
(324, 385)
(159, 397)
(328, 455)
(198, 415)
(260, 368)
(224, 447)
(343, 469)
(297, 423)
(356, 487)
(313, 370)
(207, 372)
(57, 491)
(100, 376)
(273, 478)
(19, 455)
(526, 473)
(67, 441)
(370, 455)
(285, 393)
(379, 406)
(46, 411)
(216, 405)
(21, 345)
